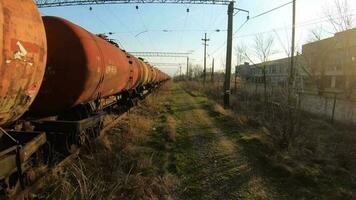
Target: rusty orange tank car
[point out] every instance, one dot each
(23, 53)
(81, 67)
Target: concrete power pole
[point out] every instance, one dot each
(180, 72)
(235, 86)
(212, 71)
(205, 44)
(187, 75)
(230, 13)
(291, 75)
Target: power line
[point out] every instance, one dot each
(123, 24)
(145, 27)
(251, 18)
(303, 24)
(184, 25)
(105, 25)
(222, 45)
(271, 10)
(172, 30)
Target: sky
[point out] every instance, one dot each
(170, 28)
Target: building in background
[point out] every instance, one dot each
(277, 72)
(324, 65)
(332, 61)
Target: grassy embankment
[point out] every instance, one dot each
(179, 144)
(320, 160)
(132, 161)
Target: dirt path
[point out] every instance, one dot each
(180, 145)
(211, 164)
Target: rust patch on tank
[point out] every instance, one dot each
(22, 57)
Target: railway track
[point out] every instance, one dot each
(59, 82)
(47, 173)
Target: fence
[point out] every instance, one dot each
(333, 106)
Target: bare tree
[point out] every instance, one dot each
(196, 71)
(240, 53)
(264, 50)
(316, 34)
(339, 15)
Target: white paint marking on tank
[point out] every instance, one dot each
(110, 69)
(22, 51)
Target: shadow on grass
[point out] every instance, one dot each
(295, 183)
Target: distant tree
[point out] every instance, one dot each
(339, 15)
(263, 47)
(197, 71)
(316, 34)
(240, 53)
(286, 43)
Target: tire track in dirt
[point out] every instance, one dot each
(210, 164)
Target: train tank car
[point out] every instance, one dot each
(23, 53)
(81, 67)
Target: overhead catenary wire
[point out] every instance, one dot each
(171, 30)
(251, 18)
(126, 27)
(240, 27)
(303, 24)
(145, 27)
(271, 10)
(105, 25)
(184, 25)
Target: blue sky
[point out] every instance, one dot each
(142, 29)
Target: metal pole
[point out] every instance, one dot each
(180, 72)
(230, 13)
(291, 75)
(212, 71)
(235, 86)
(204, 72)
(187, 68)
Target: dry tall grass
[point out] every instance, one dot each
(120, 165)
(316, 152)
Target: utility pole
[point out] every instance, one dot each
(204, 72)
(180, 71)
(212, 71)
(235, 88)
(188, 69)
(230, 13)
(291, 75)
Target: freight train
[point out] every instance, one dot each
(57, 83)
